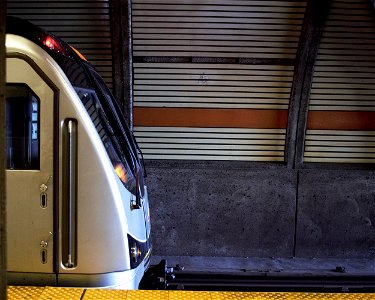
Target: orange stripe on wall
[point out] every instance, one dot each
(204, 117)
(341, 120)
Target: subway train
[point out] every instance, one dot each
(77, 203)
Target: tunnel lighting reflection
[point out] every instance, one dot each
(121, 173)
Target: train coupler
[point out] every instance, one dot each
(157, 277)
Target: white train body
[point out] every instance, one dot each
(72, 220)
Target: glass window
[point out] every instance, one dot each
(22, 127)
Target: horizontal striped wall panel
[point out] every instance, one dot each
(184, 110)
(341, 118)
(83, 24)
(340, 146)
(215, 28)
(211, 143)
(212, 85)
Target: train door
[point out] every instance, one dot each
(29, 170)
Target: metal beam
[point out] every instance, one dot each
(120, 11)
(313, 24)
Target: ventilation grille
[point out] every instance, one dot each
(83, 24)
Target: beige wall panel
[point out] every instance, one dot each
(344, 81)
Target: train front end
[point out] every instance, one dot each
(86, 185)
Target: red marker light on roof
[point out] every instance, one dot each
(49, 43)
(52, 44)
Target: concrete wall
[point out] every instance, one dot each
(247, 209)
(336, 214)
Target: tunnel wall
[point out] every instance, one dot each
(336, 213)
(317, 200)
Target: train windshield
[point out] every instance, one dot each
(111, 127)
(109, 123)
(126, 140)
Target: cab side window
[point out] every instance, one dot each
(22, 127)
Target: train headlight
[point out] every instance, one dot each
(135, 252)
(138, 251)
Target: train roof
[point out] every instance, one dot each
(48, 41)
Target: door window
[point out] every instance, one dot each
(22, 128)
